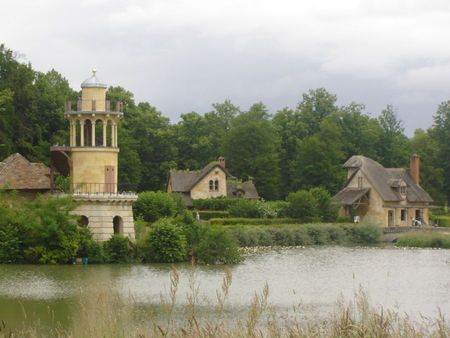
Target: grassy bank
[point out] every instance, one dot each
(424, 240)
(108, 315)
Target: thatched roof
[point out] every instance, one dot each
(241, 189)
(17, 173)
(348, 196)
(387, 180)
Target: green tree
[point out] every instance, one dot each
(252, 148)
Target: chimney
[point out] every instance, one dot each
(221, 161)
(414, 168)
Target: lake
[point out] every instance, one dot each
(413, 281)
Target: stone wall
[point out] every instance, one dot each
(101, 214)
(201, 189)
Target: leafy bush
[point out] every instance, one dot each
(119, 249)
(219, 203)
(248, 208)
(424, 240)
(303, 205)
(165, 243)
(440, 220)
(326, 210)
(276, 209)
(217, 246)
(151, 206)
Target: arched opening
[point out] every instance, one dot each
(77, 133)
(99, 133)
(216, 185)
(87, 133)
(211, 185)
(83, 221)
(108, 134)
(118, 225)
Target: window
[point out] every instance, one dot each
(403, 189)
(360, 182)
(403, 215)
(118, 225)
(216, 185)
(211, 185)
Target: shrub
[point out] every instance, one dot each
(10, 244)
(151, 206)
(302, 205)
(424, 240)
(119, 249)
(217, 246)
(366, 232)
(276, 209)
(248, 208)
(165, 243)
(326, 210)
(219, 203)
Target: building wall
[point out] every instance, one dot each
(201, 189)
(378, 209)
(89, 94)
(88, 164)
(101, 215)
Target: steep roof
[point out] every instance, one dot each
(17, 173)
(348, 196)
(185, 180)
(385, 180)
(247, 188)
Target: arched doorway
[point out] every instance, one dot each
(118, 225)
(83, 221)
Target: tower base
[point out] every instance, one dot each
(106, 215)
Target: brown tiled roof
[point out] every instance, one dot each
(385, 180)
(17, 173)
(348, 196)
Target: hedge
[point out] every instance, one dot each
(209, 214)
(424, 240)
(219, 203)
(305, 234)
(441, 220)
(253, 221)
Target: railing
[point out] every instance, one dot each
(93, 106)
(99, 189)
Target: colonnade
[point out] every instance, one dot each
(92, 124)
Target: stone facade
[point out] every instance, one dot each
(203, 188)
(106, 216)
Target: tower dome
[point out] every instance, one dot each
(93, 81)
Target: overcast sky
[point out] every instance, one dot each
(182, 56)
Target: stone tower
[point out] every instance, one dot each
(91, 160)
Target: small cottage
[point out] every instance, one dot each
(389, 196)
(214, 180)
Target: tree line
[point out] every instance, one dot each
(284, 151)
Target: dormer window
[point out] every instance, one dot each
(403, 190)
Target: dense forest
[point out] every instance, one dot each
(284, 151)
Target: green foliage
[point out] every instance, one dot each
(217, 246)
(424, 240)
(208, 214)
(440, 220)
(10, 243)
(305, 234)
(119, 249)
(327, 211)
(253, 221)
(218, 203)
(166, 243)
(303, 205)
(247, 208)
(151, 206)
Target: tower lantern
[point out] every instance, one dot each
(91, 161)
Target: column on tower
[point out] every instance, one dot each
(104, 132)
(81, 133)
(93, 132)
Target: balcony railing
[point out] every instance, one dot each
(80, 106)
(101, 189)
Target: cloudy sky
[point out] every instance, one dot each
(184, 55)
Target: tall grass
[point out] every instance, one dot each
(107, 315)
(425, 240)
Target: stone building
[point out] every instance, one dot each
(25, 177)
(389, 196)
(91, 162)
(214, 180)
